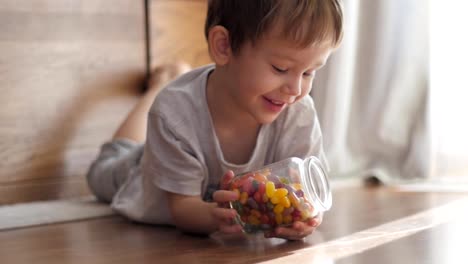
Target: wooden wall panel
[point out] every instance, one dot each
(177, 30)
(69, 72)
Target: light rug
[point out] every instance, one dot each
(49, 212)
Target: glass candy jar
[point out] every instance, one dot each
(280, 194)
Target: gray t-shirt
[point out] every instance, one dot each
(182, 152)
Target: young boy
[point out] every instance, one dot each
(249, 109)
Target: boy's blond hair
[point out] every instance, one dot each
(304, 22)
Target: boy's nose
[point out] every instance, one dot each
(293, 88)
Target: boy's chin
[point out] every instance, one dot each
(266, 120)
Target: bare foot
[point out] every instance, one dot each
(165, 73)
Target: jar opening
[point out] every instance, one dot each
(316, 183)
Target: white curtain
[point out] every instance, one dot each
(449, 93)
(372, 97)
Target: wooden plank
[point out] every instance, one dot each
(69, 72)
(358, 213)
(177, 30)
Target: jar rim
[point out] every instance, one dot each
(316, 184)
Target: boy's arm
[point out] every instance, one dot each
(192, 214)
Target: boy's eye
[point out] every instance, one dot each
(279, 69)
(309, 74)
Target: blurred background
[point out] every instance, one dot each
(391, 100)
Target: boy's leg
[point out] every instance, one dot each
(118, 158)
(134, 125)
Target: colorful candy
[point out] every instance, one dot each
(266, 201)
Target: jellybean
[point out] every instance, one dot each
(255, 213)
(243, 197)
(247, 185)
(272, 218)
(264, 219)
(270, 206)
(260, 177)
(251, 202)
(279, 219)
(296, 213)
(274, 200)
(293, 199)
(278, 209)
(290, 188)
(261, 188)
(300, 193)
(281, 192)
(288, 211)
(270, 189)
(262, 207)
(258, 197)
(253, 220)
(255, 185)
(279, 185)
(287, 219)
(284, 201)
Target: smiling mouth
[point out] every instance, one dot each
(274, 102)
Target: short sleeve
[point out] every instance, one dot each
(301, 135)
(169, 161)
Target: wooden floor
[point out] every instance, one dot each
(366, 225)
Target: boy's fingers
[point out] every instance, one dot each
(230, 228)
(226, 179)
(293, 234)
(224, 214)
(298, 231)
(223, 196)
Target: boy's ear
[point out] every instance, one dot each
(219, 45)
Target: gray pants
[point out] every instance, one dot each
(116, 161)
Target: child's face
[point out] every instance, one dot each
(272, 75)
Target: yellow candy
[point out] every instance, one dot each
(274, 200)
(243, 197)
(279, 219)
(281, 192)
(293, 200)
(278, 209)
(284, 201)
(287, 219)
(270, 189)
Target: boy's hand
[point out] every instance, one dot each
(298, 230)
(225, 216)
